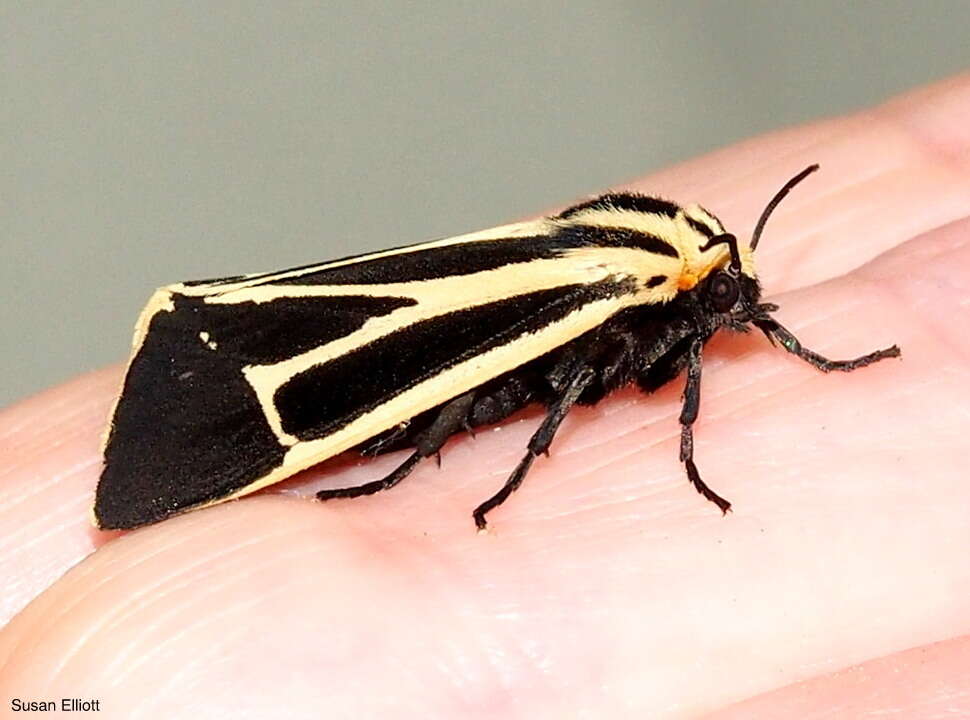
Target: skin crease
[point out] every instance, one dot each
(606, 587)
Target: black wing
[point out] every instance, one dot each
(213, 406)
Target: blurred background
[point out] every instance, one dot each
(144, 143)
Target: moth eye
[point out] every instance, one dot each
(723, 291)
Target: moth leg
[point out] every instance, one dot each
(499, 403)
(688, 414)
(428, 442)
(539, 443)
(385, 441)
(401, 472)
(774, 330)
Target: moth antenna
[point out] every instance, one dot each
(732, 243)
(779, 196)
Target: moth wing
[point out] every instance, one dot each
(236, 385)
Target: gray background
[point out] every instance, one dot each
(144, 143)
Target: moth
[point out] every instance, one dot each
(239, 382)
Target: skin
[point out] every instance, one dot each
(606, 587)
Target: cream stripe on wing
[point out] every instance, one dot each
(583, 266)
(439, 389)
(515, 230)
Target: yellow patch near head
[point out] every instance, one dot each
(687, 281)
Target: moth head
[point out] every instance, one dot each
(732, 289)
